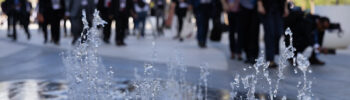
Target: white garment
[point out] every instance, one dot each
(96, 2)
(205, 1)
(107, 3)
(139, 9)
(56, 4)
(84, 2)
(183, 5)
(160, 2)
(122, 4)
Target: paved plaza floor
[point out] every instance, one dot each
(31, 59)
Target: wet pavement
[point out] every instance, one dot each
(21, 60)
(33, 60)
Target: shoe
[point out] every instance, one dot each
(106, 41)
(176, 37)
(45, 41)
(273, 65)
(9, 35)
(56, 43)
(123, 44)
(118, 43)
(233, 56)
(315, 61)
(28, 36)
(239, 58)
(249, 62)
(202, 45)
(290, 61)
(74, 41)
(181, 39)
(14, 37)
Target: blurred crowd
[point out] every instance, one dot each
(243, 20)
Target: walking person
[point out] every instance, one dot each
(25, 19)
(121, 11)
(181, 7)
(248, 29)
(141, 10)
(18, 9)
(272, 12)
(74, 10)
(231, 7)
(218, 27)
(205, 8)
(159, 13)
(5, 7)
(52, 11)
(104, 6)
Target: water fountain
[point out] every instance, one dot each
(89, 79)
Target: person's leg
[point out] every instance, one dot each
(25, 26)
(198, 24)
(205, 28)
(14, 24)
(242, 30)
(124, 29)
(269, 37)
(314, 55)
(9, 23)
(136, 22)
(118, 29)
(65, 27)
(249, 34)
(231, 18)
(44, 29)
(180, 24)
(253, 39)
(279, 29)
(107, 30)
(121, 26)
(76, 28)
(216, 31)
(55, 30)
(159, 17)
(143, 24)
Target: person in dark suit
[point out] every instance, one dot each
(272, 12)
(231, 7)
(216, 32)
(104, 7)
(248, 29)
(74, 10)
(6, 10)
(121, 11)
(18, 10)
(25, 19)
(181, 7)
(205, 9)
(159, 13)
(52, 12)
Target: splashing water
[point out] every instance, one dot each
(89, 79)
(304, 93)
(250, 81)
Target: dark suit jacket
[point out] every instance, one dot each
(104, 11)
(45, 8)
(274, 5)
(126, 12)
(12, 7)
